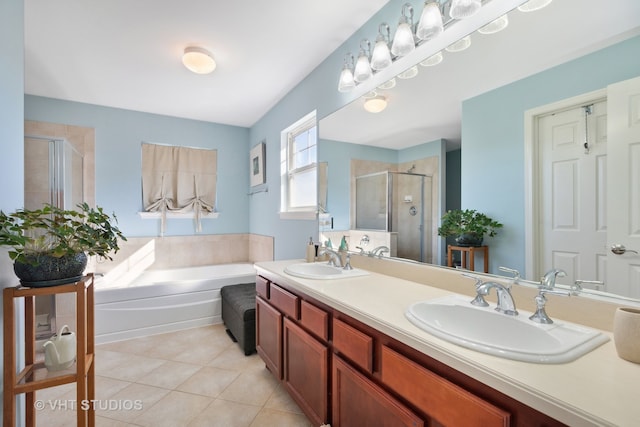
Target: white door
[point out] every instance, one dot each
(572, 211)
(623, 187)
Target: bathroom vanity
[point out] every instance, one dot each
(347, 354)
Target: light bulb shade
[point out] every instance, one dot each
(460, 45)
(381, 56)
(430, 24)
(432, 60)
(389, 84)
(495, 26)
(198, 60)
(375, 104)
(403, 42)
(362, 71)
(409, 73)
(461, 9)
(346, 83)
(533, 5)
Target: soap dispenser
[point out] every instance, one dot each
(311, 251)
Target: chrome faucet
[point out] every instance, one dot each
(506, 304)
(334, 257)
(540, 316)
(379, 251)
(548, 281)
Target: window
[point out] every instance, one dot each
(298, 169)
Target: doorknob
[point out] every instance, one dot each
(619, 249)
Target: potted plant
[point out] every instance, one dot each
(468, 226)
(50, 245)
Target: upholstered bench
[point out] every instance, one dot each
(239, 314)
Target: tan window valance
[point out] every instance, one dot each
(178, 179)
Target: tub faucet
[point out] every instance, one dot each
(379, 251)
(548, 281)
(334, 257)
(506, 304)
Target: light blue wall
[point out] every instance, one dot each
(493, 138)
(119, 134)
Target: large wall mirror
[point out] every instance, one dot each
(423, 117)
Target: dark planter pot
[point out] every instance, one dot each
(468, 239)
(45, 270)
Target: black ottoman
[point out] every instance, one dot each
(239, 314)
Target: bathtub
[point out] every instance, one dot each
(158, 301)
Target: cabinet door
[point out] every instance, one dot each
(306, 372)
(358, 401)
(269, 336)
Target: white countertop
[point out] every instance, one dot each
(598, 388)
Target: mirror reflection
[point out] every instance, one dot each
(426, 118)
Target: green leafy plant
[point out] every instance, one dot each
(469, 221)
(58, 232)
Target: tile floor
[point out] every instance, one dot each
(196, 377)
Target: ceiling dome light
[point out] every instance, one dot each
(461, 9)
(430, 24)
(375, 104)
(198, 60)
(460, 45)
(432, 60)
(495, 26)
(533, 5)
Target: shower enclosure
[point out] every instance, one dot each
(54, 175)
(397, 202)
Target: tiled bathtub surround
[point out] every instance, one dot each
(178, 383)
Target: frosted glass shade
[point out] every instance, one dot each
(460, 45)
(389, 84)
(409, 73)
(198, 60)
(461, 9)
(430, 24)
(381, 56)
(432, 60)
(495, 26)
(533, 5)
(376, 104)
(346, 83)
(362, 71)
(403, 42)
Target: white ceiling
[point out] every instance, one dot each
(428, 107)
(126, 54)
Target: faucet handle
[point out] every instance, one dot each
(576, 288)
(514, 272)
(479, 300)
(347, 262)
(540, 316)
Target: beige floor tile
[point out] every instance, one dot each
(282, 401)
(202, 353)
(108, 422)
(139, 398)
(209, 381)
(175, 409)
(107, 387)
(253, 388)
(128, 368)
(169, 375)
(223, 413)
(233, 358)
(270, 417)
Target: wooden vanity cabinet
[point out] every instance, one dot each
(346, 373)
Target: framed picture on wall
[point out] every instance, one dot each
(257, 165)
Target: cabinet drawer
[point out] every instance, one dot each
(353, 344)
(314, 319)
(442, 400)
(262, 287)
(285, 301)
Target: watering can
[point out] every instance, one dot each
(60, 350)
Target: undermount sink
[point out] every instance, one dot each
(454, 319)
(317, 270)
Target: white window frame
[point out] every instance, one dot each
(286, 173)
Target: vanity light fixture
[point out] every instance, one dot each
(389, 84)
(533, 5)
(347, 82)
(460, 45)
(430, 24)
(375, 104)
(461, 9)
(409, 73)
(381, 56)
(198, 60)
(403, 41)
(495, 26)
(363, 71)
(433, 60)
